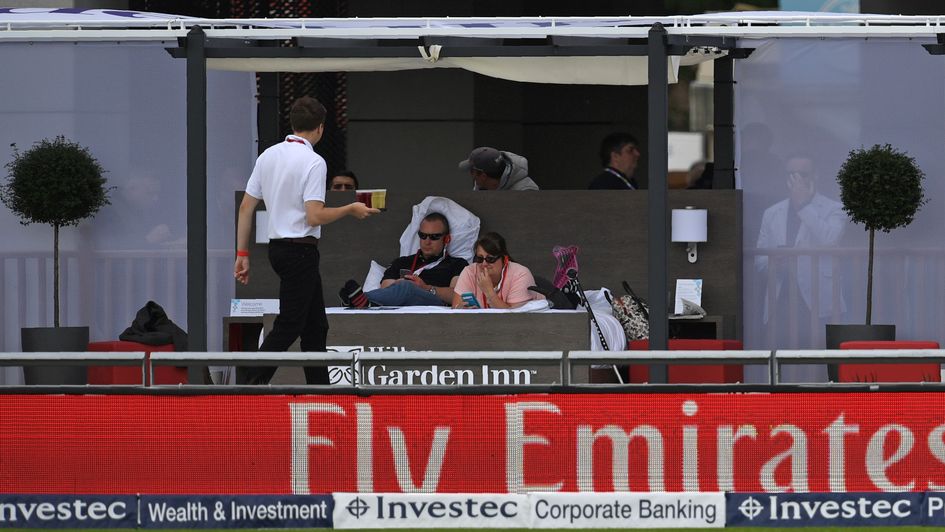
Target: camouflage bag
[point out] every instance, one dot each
(633, 313)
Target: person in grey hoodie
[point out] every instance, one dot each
(492, 169)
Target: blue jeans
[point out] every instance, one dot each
(403, 294)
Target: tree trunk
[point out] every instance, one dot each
(56, 275)
(869, 282)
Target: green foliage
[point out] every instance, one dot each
(881, 187)
(56, 182)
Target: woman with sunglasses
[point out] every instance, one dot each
(494, 280)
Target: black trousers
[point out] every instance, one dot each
(301, 311)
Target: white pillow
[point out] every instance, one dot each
(374, 277)
(464, 227)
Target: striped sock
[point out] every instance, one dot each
(352, 296)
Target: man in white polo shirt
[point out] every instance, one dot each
(290, 178)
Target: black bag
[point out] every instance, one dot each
(556, 298)
(633, 313)
(152, 326)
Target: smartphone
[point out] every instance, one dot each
(404, 272)
(470, 299)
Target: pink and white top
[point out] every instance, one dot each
(512, 289)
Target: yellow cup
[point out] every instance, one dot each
(379, 199)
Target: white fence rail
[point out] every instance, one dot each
(564, 362)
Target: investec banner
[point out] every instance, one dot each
(300, 445)
(416, 510)
(68, 511)
(535, 510)
(249, 511)
(627, 510)
(833, 509)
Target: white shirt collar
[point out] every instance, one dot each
(297, 139)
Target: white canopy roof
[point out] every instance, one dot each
(112, 24)
(43, 24)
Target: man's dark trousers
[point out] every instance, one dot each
(301, 311)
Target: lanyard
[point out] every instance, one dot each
(621, 176)
(416, 271)
(294, 140)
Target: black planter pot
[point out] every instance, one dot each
(837, 334)
(55, 339)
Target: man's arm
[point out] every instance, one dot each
(244, 225)
(392, 273)
(316, 213)
(446, 293)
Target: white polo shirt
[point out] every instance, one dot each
(285, 177)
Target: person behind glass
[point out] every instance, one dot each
(804, 287)
(494, 280)
(424, 278)
(345, 180)
(619, 154)
(492, 169)
(290, 178)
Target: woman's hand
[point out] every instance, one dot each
(458, 302)
(484, 282)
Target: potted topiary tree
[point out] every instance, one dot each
(59, 183)
(881, 188)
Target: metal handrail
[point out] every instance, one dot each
(852, 356)
(245, 358)
(566, 361)
(77, 358)
(666, 357)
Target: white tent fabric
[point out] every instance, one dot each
(560, 70)
(44, 17)
(803, 104)
(127, 104)
(353, 64)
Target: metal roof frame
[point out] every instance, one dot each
(117, 25)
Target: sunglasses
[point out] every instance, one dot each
(429, 236)
(491, 259)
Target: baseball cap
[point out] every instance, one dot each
(486, 159)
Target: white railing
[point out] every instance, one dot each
(565, 363)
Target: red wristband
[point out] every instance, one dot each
(242, 253)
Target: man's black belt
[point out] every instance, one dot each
(306, 240)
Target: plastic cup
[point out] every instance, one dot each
(364, 196)
(379, 199)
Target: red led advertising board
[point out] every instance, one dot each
(277, 444)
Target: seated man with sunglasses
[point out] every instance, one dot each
(424, 278)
